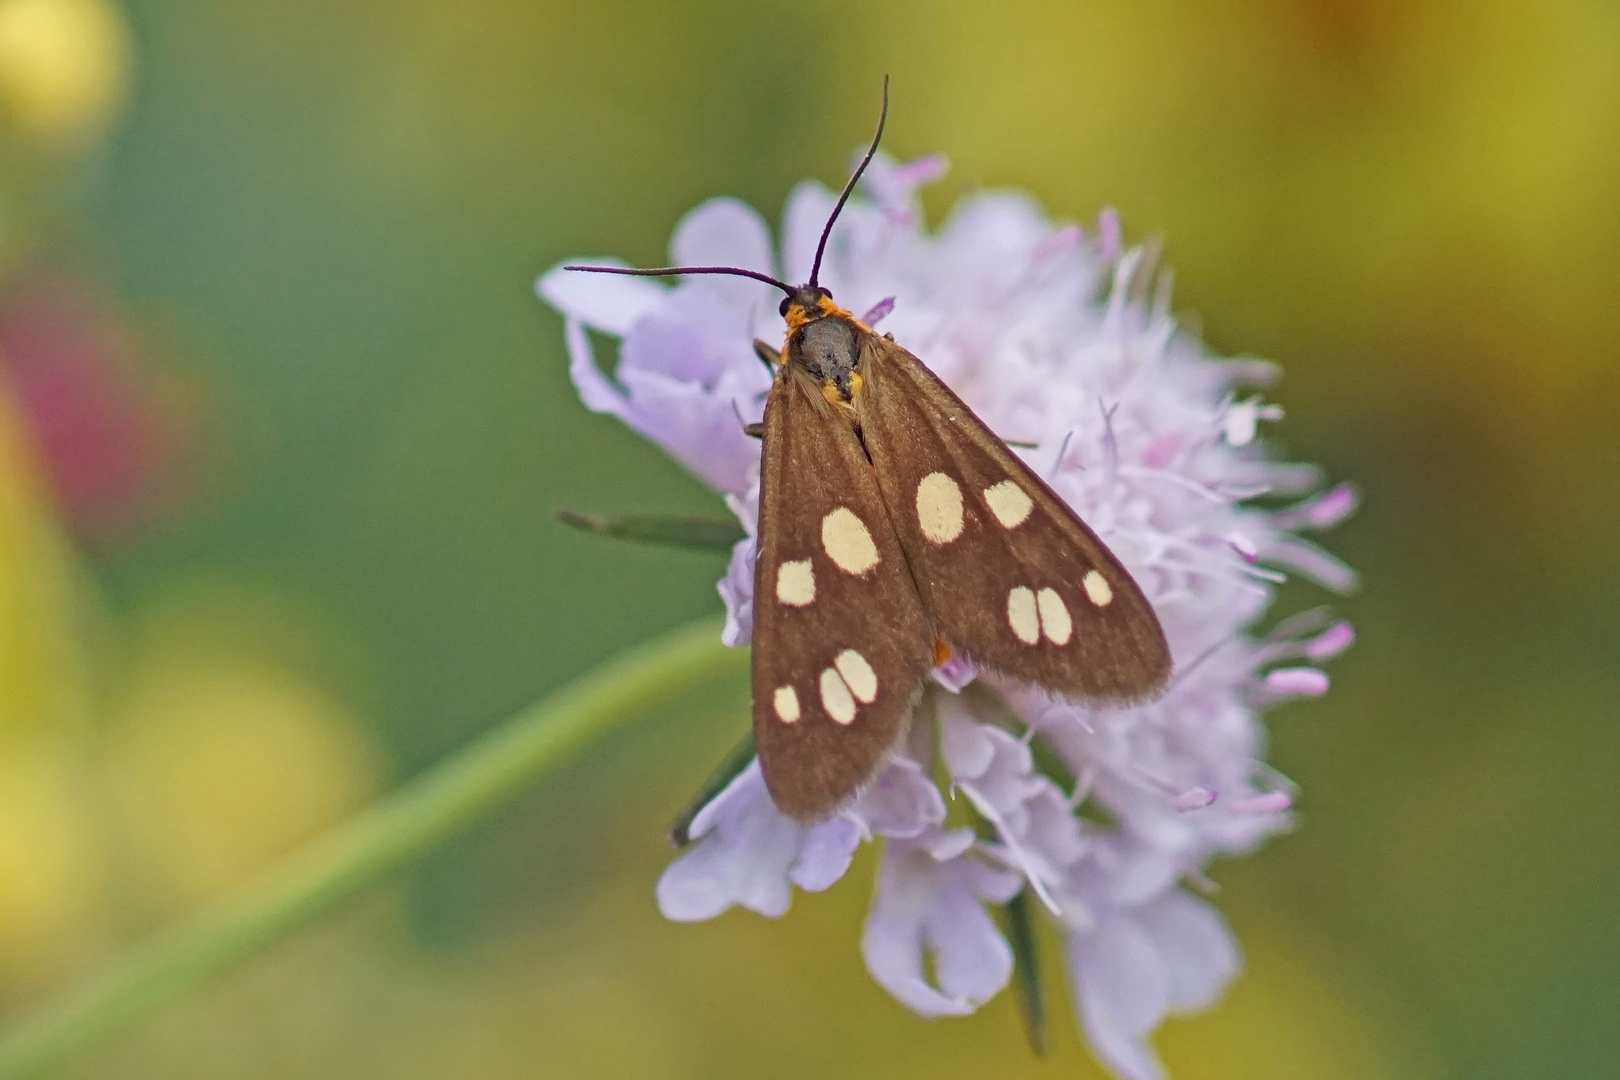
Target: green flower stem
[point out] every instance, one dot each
(366, 848)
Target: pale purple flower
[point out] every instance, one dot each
(1065, 343)
(745, 852)
(931, 898)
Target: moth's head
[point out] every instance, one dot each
(806, 304)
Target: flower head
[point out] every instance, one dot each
(1061, 343)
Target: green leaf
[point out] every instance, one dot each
(1026, 971)
(735, 761)
(700, 534)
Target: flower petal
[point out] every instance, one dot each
(972, 961)
(699, 429)
(681, 341)
(893, 185)
(892, 948)
(695, 887)
(611, 303)
(826, 853)
(735, 798)
(926, 906)
(1200, 955)
(595, 390)
(737, 593)
(901, 801)
(742, 859)
(965, 744)
(943, 846)
(725, 232)
(1122, 993)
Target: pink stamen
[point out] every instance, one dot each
(1272, 802)
(1243, 546)
(955, 673)
(1332, 641)
(1065, 238)
(923, 170)
(1110, 238)
(1297, 682)
(1194, 799)
(1322, 511)
(1161, 450)
(878, 311)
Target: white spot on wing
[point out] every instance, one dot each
(835, 697)
(796, 583)
(1009, 503)
(1022, 616)
(939, 508)
(786, 701)
(1097, 589)
(1055, 621)
(847, 542)
(858, 675)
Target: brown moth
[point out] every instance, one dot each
(895, 530)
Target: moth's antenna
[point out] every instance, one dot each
(671, 271)
(821, 248)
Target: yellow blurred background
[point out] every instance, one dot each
(282, 432)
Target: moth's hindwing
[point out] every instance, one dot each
(1007, 572)
(841, 643)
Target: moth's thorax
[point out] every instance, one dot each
(824, 340)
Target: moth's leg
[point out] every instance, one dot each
(772, 359)
(753, 431)
(768, 355)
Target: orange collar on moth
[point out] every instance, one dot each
(798, 316)
(829, 308)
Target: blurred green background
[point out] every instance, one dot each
(283, 430)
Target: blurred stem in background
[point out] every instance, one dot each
(457, 793)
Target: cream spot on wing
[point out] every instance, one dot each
(1097, 589)
(858, 675)
(835, 697)
(939, 508)
(787, 704)
(1009, 503)
(1022, 616)
(796, 583)
(847, 542)
(1055, 621)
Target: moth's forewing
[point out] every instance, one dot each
(1008, 574)
(841, 643)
